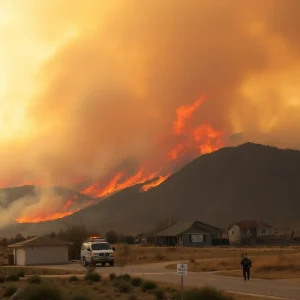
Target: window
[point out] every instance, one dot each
(264, 231)
(101, 246)
(196, 238)
(232, 232)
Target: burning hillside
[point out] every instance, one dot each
(188, 140)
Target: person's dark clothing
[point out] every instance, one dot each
(246, 265)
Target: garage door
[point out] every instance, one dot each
(20, 257)
(46, 255)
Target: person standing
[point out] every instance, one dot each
(246, 265)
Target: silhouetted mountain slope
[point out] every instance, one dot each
(14, 193)
(18, 193)
(246, 182)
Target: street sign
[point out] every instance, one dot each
(182, 269)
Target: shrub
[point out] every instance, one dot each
(73, 278)
(21, 273)
(93, 276)
(171, 290)
(34, 279)
(112, 276)
(160, 294)
(206, 293)
(80, 297)
(159, 256)
(148, 286)
(13, 277)
(136, 281)
(41, 291)
(2, 278)
(91, 269)
(126, 277)
(124, 287)
(9, 291)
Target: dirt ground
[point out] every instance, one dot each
(142, 255)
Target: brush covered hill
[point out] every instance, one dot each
(250, 181)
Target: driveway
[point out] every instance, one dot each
(281, 289)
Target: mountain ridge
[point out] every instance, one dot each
(249, 181)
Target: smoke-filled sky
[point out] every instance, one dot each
(87, 85)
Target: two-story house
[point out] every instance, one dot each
(248, 231)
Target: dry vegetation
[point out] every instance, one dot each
(4, 270)
(272, 267)
(123, 288)
(143, 255)
(4, 251)
(279, 266)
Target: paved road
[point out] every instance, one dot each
(286, 289)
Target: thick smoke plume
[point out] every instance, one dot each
(91, 86)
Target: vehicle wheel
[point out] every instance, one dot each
(84, 262)
(112, 263)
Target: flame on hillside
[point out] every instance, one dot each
(119, 182)
(149, 186)
(190, 140)
(44, 217)
(201, 139)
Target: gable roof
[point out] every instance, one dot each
(183, 226)
(250, 224)
(40, 241)
(207, 227)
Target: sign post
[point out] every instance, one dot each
(182, 271)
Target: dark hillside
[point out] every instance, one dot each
(246, 182)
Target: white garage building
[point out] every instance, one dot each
(41, 251)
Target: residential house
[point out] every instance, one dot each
(283, 236)
(40, 251)
(144, 238)
(189, 234)
(248, 231)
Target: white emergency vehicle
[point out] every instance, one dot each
(97, 251)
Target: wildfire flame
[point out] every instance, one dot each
(154, 183)
(184, 113)
(43, 218)
(201, 139)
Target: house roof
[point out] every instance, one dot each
(183, 226)
(250, 224)
(40, 241)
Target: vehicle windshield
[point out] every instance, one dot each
(101, 246)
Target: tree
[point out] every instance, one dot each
(19, 238)
(3, 242)
(53, 235)
(129, 239)
(76, 235)
(112, 237)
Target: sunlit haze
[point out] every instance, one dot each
(100, 95)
